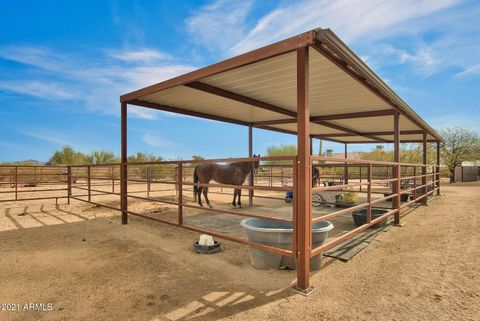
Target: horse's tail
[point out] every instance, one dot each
(195, 180)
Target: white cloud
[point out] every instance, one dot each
(367, 25)
(366, 19)
(155, 140)
(219, 25)
(93, 84)
(48, 137)
(49, 91)
(141, 56)
(472, 71)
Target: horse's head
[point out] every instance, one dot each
(255, 164)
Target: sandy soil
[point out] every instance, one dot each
(93, 268)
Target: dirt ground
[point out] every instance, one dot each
(94, 268)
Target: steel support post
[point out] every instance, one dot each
(250, 154)
(180, 192)
(69, 184)
(123, 168)
(346, 165)
(396, 171)
(424, 169)
(437, 177)
(89, 185)
(303, 192)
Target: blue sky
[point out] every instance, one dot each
(64, 64)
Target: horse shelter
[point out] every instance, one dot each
(312, 86)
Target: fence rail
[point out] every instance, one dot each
(83, 183)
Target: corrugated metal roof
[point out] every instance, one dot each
(265, 90)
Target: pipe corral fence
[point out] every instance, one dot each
(310, 85)
(169, 182)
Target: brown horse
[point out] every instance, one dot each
(231, 174)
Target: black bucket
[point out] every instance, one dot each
(360, 217)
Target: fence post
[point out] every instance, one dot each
(180, 192)
(113, 178)
(424, 170)
(438, 168)
(16, 183)
(399, 191)
(250, 154)
(89, 185)
(149, 177)
(369, 193)
(69, 184)
(415, 182)
(360, 174)
(271, 178)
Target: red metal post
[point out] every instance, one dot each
(396, 171)
(180, 192)
(303, 192)
(271, 177)
(149, 177)
(113, 179)
(123, 168)
(69, 184)
(16, 183)
(415, 182)
(438, 168)
(346, 165)
(424, 169)
(369, 194)
(89, 183)
(295, 216)
(250, 154)
(360, 170)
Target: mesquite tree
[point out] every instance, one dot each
(459, 145)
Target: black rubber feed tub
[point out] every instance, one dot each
(403, 197)
(360, 217)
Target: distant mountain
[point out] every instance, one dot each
(27, 162)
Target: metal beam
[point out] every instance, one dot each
(374, 142)
(333, 54)
(240, 98)
(253, 102)
(186, 112)
(364, 114)
(348, 130)
(403, 132)
(275, 49)
(279, 130)
(244, 99)
(275, 122)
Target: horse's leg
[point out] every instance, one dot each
(239, 197)
(200, 188)
(205, 193)
(234, 197)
